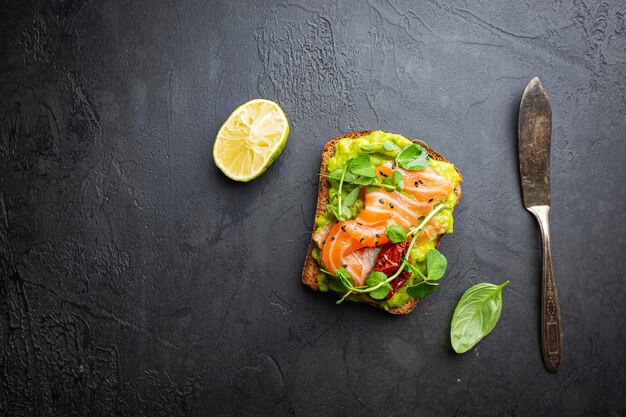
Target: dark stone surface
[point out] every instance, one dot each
(137, 280)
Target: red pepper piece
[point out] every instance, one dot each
(388, 261)
(397, 283)
(389, 258)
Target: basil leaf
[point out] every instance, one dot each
(475, 316)
(390, 146)
(413, 157)
(361, 165)
(396, 233)
(380, 293)
(388, 181)
(398, 180)
(367, 148)
(423, 289)
(436, 264)
(350, 199)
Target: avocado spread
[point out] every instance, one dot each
(372, 145)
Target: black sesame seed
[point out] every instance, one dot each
(381, 201)
(343, 227)
(430, 201)
(366, 247)
(376, 243)
(391, 205)
(417, 184)
(344, 265)
(332, 238)
(377, 235)
(393, 166)
(421, 182)
(362, 239)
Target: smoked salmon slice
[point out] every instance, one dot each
(353, 244)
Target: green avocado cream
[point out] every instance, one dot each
(372, 145)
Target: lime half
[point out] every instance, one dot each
(251, 139)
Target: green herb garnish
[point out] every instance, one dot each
(358, 172)
(361, 165)
(337, 174)
(374, 282)
(476, 315)
(436, 265)
(396, 233)
(381, 291)
(390, 146)
(413, 157)
(351, 199)
(397, 180)
(338, 210)
(423, 289)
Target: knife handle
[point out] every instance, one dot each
(551, 330)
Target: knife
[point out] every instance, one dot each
(534, 131)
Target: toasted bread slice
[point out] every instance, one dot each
(311, 268)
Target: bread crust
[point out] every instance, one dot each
(311, 268)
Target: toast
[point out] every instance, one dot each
(311, 268)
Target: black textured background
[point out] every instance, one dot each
(137, 280)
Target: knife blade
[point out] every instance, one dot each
(535, 125)
(534, 134)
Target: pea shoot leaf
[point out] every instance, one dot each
(396, 233)
(361, 165)
(380, 292)
(413, 157)
(351, 199)
(336, 175)
(336, 285)
(397, 180)
(389, 146)
(345, 275)
(363, 181)
(343, 215)
(436, 264)
(423, 289)
(375, 278)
